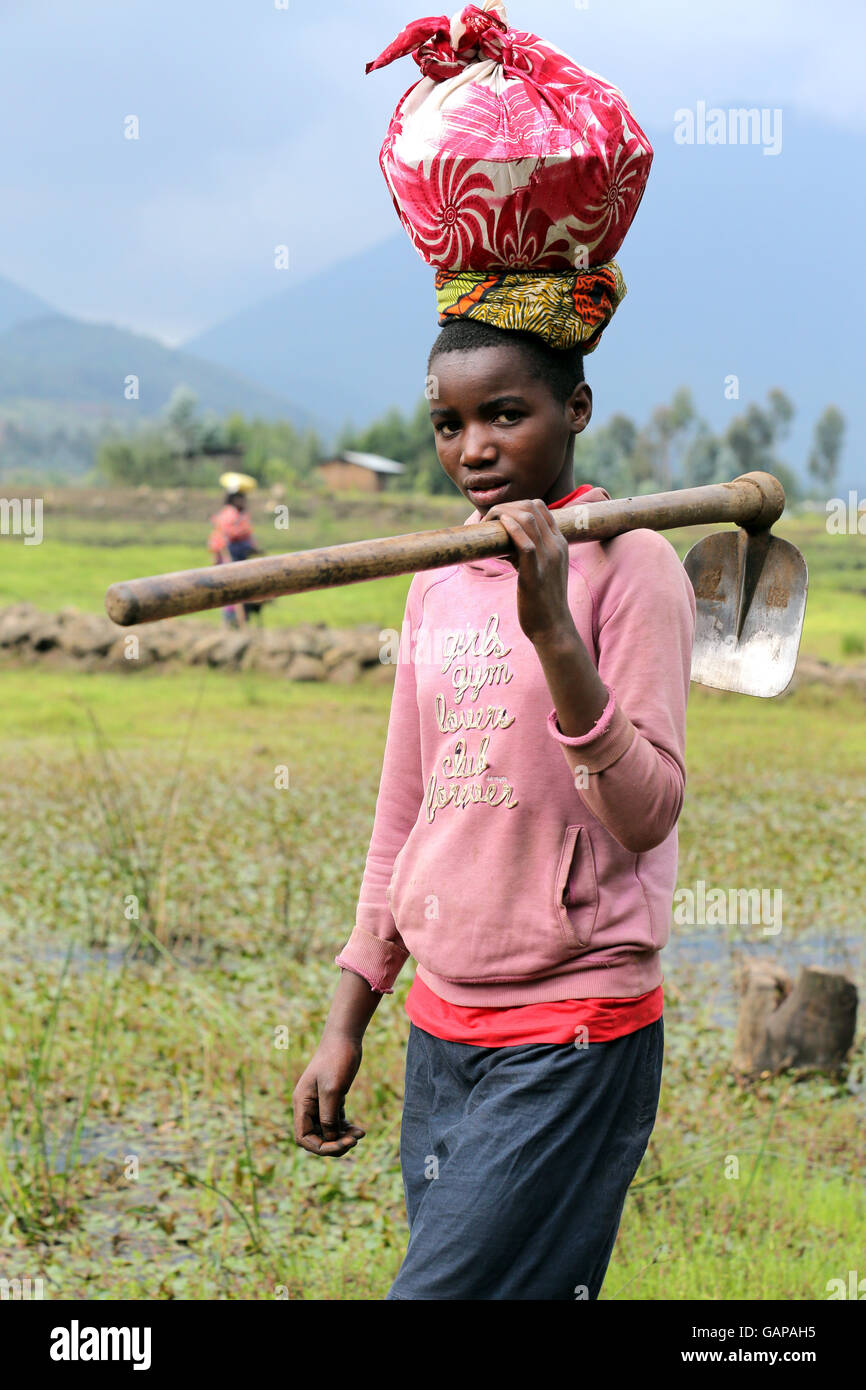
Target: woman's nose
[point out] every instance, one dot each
(478, 447)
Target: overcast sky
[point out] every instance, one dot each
(258, 127)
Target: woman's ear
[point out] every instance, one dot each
(579, 408)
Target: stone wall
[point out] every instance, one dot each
(307, 652)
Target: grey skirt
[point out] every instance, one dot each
(516, 1162)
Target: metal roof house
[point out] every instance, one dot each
(356, 471)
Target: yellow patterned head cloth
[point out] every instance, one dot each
(567, 308)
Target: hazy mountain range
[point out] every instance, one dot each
(52, 357)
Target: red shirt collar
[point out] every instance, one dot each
(572, 496)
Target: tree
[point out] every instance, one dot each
(213, 437)
(701, 462)
(183, 431)
(144, 457)
(751, 439)
(605, 455)
(665, 436)
(827, 442)
(782, 410)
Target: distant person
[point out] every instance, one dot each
(232, 538)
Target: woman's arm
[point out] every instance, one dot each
(373, 956)
(621, 726)
(632, 762)
(319, 1097)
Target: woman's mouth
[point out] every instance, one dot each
(486, 493)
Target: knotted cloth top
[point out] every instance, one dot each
(507, 160)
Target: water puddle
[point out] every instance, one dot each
(701, 962)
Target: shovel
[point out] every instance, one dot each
(750, 587)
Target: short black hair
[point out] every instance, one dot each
(560, 368)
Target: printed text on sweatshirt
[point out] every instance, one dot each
(510, 868)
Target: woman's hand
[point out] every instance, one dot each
(542, 567)
(318, 1099)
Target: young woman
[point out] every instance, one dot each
(524, 852)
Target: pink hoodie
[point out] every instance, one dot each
(512, 869)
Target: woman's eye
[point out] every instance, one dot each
(447, 429)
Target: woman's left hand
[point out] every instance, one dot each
(542, 567)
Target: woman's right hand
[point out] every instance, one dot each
(318, 1099)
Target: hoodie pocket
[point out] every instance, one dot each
(576, 887)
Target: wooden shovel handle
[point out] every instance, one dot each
(754, 501)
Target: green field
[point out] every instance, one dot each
(84, 551)
(150, 1049)
(168, 920)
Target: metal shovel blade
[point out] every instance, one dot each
(750, 593)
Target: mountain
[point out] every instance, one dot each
(736, 267)
(17, 305)
(348, 343)
(62, 360)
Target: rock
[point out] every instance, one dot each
(343, 649)
(313, 640)
(380, 674)
(368, 647)
(87, 636)
(45, 635)
(306, 652)
(273, 663)
(163, 641)
(121, 657)
(345, 672)
(199, 652)
(229, 650)
(267, 651)
(305, 668)
(15, 628)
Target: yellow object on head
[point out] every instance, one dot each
(238, 482)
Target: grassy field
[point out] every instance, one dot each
(86, 548)
(168, 921)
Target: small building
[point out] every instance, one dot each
(364, 472)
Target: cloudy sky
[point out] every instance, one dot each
(258, 127)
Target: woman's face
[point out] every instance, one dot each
(501, 434)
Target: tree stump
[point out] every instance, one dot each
(809, 1025)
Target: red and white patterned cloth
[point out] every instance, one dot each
(506, 152)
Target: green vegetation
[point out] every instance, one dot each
(87, 547)
(675, 447)
(183, 450)
(168, 920)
